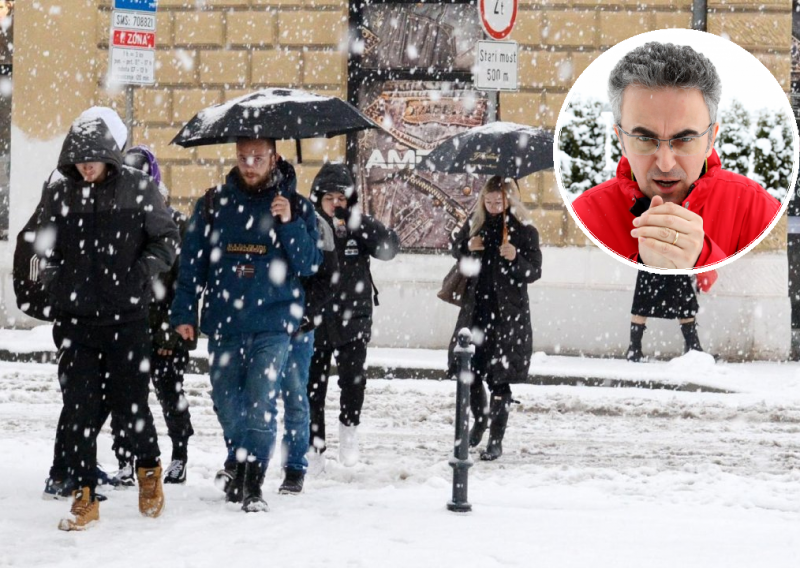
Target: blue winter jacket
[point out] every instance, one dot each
(243, 264)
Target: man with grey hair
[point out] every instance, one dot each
(671, 205)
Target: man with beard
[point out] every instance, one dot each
(247, 245)
(671, 205)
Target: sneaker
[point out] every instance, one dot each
(151, 491)
(176, 472)
(104, 479)
(61, 489)
(348, 445)
(85, 511)
(292, 482)
(316, 462)
(124, 477)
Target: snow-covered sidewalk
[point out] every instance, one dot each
(600, 477)
(694, 371)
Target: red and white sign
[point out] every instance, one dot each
(127, 38)
(132, 47)
(498, 17)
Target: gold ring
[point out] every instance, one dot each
(677, 234)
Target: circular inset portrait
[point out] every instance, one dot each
(676, 151)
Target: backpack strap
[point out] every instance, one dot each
(208, 206)
(372, 282)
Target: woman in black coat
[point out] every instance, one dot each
(495, 305)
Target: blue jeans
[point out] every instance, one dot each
(245, 370)
(294, 386)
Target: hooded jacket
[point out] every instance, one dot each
(108, 239)
(243, 263)
(735, 211)
(349, 316)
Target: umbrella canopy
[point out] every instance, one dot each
(498, 148)
(272, 113)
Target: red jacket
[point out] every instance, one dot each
(734, 208)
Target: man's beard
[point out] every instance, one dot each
(255, 181)
(256, 184)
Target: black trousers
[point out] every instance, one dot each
(481, 361)
(102, 369)
(167, 372)
(350, 359)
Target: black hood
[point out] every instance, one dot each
(88, 140)
(333, 178)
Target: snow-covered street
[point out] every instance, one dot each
(596, 477)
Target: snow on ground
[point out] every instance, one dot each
(600, 477)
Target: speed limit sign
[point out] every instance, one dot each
(498, 17)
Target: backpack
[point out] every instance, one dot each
(32, 298)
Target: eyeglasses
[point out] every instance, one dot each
(680, 146)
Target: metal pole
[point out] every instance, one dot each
(460, 462)
(129, 114)
(700, 15)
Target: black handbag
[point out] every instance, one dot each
(454, 286)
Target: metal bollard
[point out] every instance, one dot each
(460, 462)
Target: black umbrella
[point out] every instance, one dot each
(273, 113)
(498, 148)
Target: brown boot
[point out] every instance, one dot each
(151, 492)
(84, 512)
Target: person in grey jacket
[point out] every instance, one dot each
(105, 233)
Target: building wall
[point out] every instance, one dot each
(213, 50)
(222, 51)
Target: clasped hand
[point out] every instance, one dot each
(669, 236)
(507, 250)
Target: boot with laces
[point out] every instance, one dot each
(151, 491)
(84, 513)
